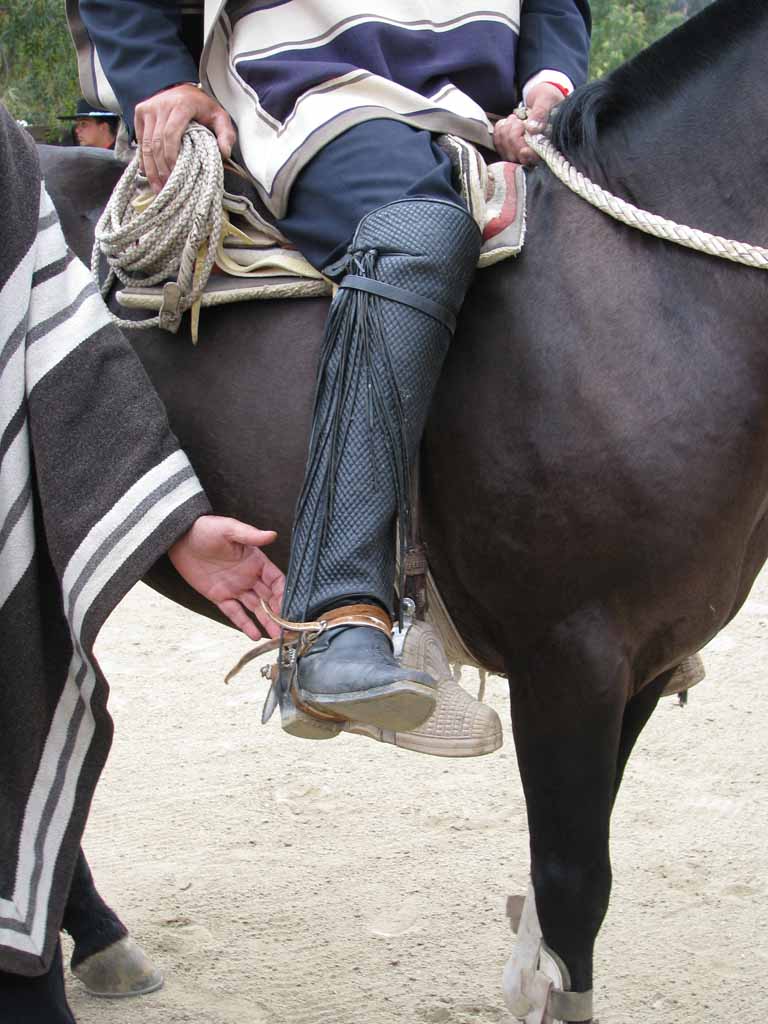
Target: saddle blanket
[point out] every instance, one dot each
(255, 261)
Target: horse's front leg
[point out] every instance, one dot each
(105, 958)
(568, 701)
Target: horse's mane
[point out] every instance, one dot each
(653, 75)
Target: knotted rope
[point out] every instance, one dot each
(649, 223)
(146, 239)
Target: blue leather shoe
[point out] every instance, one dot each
(350, 673)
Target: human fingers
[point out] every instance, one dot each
(221, 125)
(542, 99)
(144, 127)
(267, 623)
(272, 598)
(151, 116)
(255, 603)
(272, 576)
(251, 599)
(250, 536)
(158, 149)
(238, 616)
(509, 138)
(173, 132)
(261, 592)
(160, 122)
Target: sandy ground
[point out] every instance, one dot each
(277, 881)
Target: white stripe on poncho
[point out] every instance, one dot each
(93, 489)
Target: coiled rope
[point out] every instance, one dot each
(649, 223)
(147, 239)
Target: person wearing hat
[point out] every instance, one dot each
(93, 127)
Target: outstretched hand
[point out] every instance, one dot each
(509, 133)
(162, 120)
(222, 559)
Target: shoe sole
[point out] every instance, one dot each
(449, 748)
(398, 707)
(306, 726)
(435, 746)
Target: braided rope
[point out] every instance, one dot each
(173, 235)
(649, 223)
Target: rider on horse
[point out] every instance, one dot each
(337, 112)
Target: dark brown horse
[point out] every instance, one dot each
(595, 468)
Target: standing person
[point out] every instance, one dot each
(93, 490)
(336, 111)
(92, 127)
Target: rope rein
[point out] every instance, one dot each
(649, 223)
(147, 239)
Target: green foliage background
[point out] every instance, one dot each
(620, 28)
(38, 71)
(38, 74)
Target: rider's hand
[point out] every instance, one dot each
(509, 133)
(222, 560)
(161, 121)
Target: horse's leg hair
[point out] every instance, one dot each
(87, 918)
(567, 702)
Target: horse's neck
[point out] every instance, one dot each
(698, 156)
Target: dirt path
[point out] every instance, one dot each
(277, 881)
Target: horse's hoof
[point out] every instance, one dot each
(122, 969)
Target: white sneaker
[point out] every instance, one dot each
(460, 726)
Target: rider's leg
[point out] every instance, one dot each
(402, 281)
(38, 1000)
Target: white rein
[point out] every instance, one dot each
(649, 223)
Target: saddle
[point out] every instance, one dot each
(255, 260)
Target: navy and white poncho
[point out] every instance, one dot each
(294, 74)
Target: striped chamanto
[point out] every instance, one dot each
(93, 489)
(294, 74)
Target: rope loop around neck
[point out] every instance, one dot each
(650, 223)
